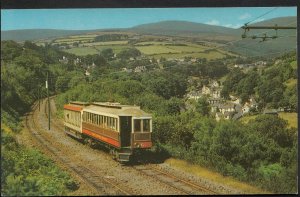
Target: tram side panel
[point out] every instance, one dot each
(102, 128)
(72, 120)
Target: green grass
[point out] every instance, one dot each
(81, 51)
(115, 48)
(246, 119)
(291, 118)
(158, 49)
(187, 48)
(73, 39)
(291, 82)
(121, 42)
(152, 43)
(155, 49)
(214, 176)
(294, 64)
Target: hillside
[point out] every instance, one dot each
(286, 40)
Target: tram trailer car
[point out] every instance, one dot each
(124, 129)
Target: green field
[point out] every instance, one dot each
(209, 56)
(152, 43)
(294, 64)
(290, 117)
(121, 42)
(81, 51)
(155, 49)
(291, 82)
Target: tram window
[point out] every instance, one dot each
(110, 122)
(137, 125)
(114, 124)
(146, 125)
(105, 121)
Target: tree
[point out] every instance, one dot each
(202, 106)
(107, 53)
(128, 53)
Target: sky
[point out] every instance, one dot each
(104, 18)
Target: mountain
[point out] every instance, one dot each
(182, 28)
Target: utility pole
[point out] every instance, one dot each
(39, 97)
(48, 100)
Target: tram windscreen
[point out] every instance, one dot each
(137, 125)
(146, 125)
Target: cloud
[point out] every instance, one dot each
(259, 20)
(213, 22)
(245, 16)
(233, 26)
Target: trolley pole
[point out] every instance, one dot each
(48, 100)
(39, 97)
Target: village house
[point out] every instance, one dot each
(139, 69)
(213, 90)
(260, 63)
(87, 73)
(226, 115)
(205, 90)
(127, 70)
(246, 108)
(227, 107)
(77, 61)
(64, 60)
(194, 95)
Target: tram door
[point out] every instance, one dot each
(125, 125)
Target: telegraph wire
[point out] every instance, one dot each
(261, 15)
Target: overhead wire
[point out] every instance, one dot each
(261, 15)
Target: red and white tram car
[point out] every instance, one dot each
(122, 128)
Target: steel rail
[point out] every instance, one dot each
(174, 181)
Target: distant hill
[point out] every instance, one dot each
(35, 34)
(286, 40)
(199, 31)
(183, 28)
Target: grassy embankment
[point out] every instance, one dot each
(214, 176)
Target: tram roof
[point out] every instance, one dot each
(116, 109)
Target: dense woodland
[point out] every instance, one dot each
(262, 152)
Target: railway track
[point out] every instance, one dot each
(100, 184)
(184, 186)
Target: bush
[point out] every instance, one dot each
(26, 172)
